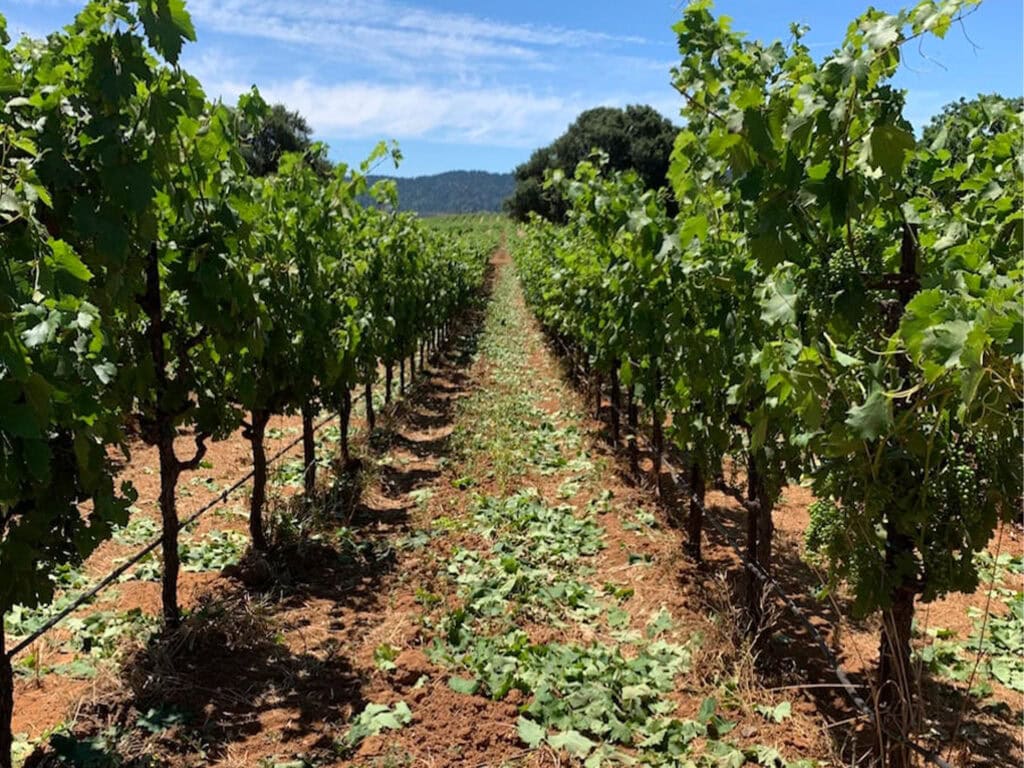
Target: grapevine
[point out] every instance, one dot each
(150, 282)
(863, 335)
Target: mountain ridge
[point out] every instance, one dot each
(452, 191)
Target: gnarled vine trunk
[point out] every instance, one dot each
(256, 432)
(758, 491)
(163, 430)
(658, 440)
(308, 450)
(896, 681)
(633, 415)
(344, 419)
(759, 540)
(6, 701)
(371, 416)
(616, 402)
(657, 428)
(170, 471)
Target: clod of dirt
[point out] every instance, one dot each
(410, 666)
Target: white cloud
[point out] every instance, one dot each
(392, 34)
(399, 37)
(380, 69)
(497, 117)
(352, 110)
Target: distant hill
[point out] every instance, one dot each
(453, 192)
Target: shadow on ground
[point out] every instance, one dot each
(792, 655)
(264, 662)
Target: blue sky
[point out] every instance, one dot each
(478, 85)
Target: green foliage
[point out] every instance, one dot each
(534, 564)
(967, 124)
(150, 278)
(139, 530)
(536, 557)
(782, 291)
(636, 138)
(101, 633)
(777, 714)
(384, 657)
(996, 642)
(1001, 640)
(832, 300)
(894, 410)
(512, 430)
(598, 699)
(214, 552)
(373, 720)
(66, 583)
(56, 422)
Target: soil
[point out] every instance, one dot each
(279, 655)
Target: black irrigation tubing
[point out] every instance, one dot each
(114, 575)
(844, 679)
(773, 586)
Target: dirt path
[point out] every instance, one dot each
(495, 596)
(494, 593)
(537, 613)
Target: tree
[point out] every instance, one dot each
(635, 138)
(274, 132)
(57, 420)
(141, 282)
(960, 122)
(843, 305)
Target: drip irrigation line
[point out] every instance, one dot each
(773, 586)
(115, 574)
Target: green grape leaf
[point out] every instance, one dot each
(889, 148)
(530, 733)
(873, 418)
(573, 742)
(168, 25)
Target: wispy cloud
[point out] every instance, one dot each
(405, 69)
(492, 116)
(399, 37)
(498, 117)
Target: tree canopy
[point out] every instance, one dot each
(955, 127)
(279, 131)
(636, 138)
